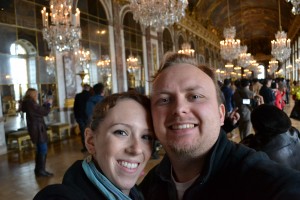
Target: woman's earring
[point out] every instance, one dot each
(89, 158)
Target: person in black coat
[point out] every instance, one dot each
(79, 111)
(275, 136)
(267, 93)
(37, 128)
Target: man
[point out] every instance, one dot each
(267, 93)
(228, 95)
(79, 111)
(93, 100)
(200, 162)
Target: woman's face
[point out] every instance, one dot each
(121, 145)
(34, 95)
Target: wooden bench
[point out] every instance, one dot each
(21, 137)
(50, 135)
(60, 128)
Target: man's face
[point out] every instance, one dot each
(185, 110)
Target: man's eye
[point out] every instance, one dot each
(120, 132)
(196, 97)
(163, 100)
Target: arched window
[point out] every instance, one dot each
(180, 41)
(261, 72)
(18, 70)
(134, 49)
(167, 41)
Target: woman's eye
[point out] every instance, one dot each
(148, 137)
(120, 132)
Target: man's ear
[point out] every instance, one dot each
(89, 140)
(222, 114)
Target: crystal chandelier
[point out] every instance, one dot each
(63, 32)
(296, 6)
(186, 49)
(132, 64)
(50, 62)
(158, 13)
(230, 47)
(244, 57)
(281, 49)
(104, 65)
(84, 57)
(273, 65)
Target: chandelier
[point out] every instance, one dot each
(104, 65)
(132, 64)
(50, 62)
(281, 49)
(296, 6)
(244, 57)
(230, 47)
(273, 65)
(84, 57)
(186, 49)
(63, 31)
(158, 13)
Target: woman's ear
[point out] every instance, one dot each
(89, 140)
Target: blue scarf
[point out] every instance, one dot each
(101, 182)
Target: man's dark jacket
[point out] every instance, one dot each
(80, 104)
(268, 95)
(232, 171)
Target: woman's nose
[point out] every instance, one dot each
(135, 146)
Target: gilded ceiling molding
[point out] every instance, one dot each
(196, 28)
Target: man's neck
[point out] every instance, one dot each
(185, 169)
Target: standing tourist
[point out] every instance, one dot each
(79, 111)
(37, 128)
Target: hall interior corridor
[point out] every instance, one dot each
(17, 179)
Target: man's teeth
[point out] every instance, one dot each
(129, 165)
(183, 126)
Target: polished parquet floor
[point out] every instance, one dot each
(17, 179)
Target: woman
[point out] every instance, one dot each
(119, 142)
(279, 94)
(37, 128)
(295, 113)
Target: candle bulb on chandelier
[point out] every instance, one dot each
(77, 17)
(46, 20)
(43, 15)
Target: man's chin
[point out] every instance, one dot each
(181, 149)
